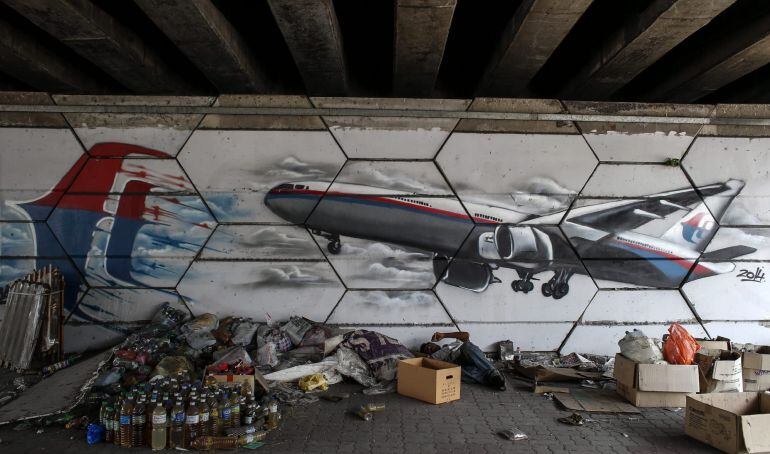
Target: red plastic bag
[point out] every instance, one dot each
(680, 347)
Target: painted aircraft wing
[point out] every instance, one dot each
(624, 215)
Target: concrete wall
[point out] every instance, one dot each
(555, 234)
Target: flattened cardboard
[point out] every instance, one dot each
(756, 379)
(429, 380)
(713, 344)
(730, 422)
(758, 359)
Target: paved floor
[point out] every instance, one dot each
(407, 425)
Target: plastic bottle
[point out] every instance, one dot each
(138, 420)
(116, 421)
(273, 416)
(211, 443)
(235, 408)
(125, 421)
(205, 415)
(109, 424)
(148, 417)
(192, 423)
(159, 434)
(225, 412)
(215, 422)
(517, 355)
(176, 433)
(248, 414)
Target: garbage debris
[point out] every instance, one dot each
(505, 350)
(513, 434)
(313, 382)
(635, 345)
(680, 347)
(575, 419)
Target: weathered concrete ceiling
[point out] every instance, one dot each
(645, 50)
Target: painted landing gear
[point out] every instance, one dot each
(524, 284)
(558, 285)
(334, 246)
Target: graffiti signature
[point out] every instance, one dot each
(752, 276)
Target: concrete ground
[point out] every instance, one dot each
(407, 425)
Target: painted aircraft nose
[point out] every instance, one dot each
(287, 204)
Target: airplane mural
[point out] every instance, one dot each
(604, 231)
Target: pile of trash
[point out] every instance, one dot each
(176, 372)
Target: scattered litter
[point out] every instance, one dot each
(381, 388)
(313, 382)
(624, 434)
(39, 431)
(575, 419)
(513, 434)
(505, 350)
(590, 400)
(23, 426)
(335, 397)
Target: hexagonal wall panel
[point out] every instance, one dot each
(390, 137)
(397, 222)
(523, 177)
(530, 336)
(261, 242)
(235, 170)
(389, 307)
(253, 289)
(738, 260)
(638, 141)
(538, 278)
(36, 166)
(638, 226)
(131, 222)
(739, 166)
(125, 305)
(166, 132)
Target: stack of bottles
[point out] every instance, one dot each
(173, 413)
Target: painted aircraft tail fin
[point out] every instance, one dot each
(694, 230)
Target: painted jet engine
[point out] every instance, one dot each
(603, 234)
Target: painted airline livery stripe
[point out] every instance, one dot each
(664, 265)
(376, 200)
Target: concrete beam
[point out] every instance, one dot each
(639, 43)
(23, 57)
(421, 31)
(209, 41)
(730, 57)
(533, 33)
(312, 33)
(92, 33)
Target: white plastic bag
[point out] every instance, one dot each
(640, 348)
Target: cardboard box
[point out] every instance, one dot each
(730, 422)
(229, 380)
(756, 379)
(429, 380)
(655, 385)
(758, 359)
(720, 371)
(713, 344)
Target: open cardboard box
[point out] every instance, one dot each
(655, 385)
(756, 369)
(429, 380)
(719, 370)
(730, 422)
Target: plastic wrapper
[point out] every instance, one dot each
(232, 355)
(316, 335)
(505, 350)
(311, 354)
(198, 340)
(513, 434)
(170, 366)
(168, 317)
(351, 365)
(640, 348)
(109, 377)
(95, 434)
(328, 367)
(296, 328)
(381, 388)
(278, 338)
(205, 322)
(244, 332)
(312, 382)
(680, 347)
(267, 355)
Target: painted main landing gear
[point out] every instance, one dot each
(558, 286)
(334, 246)
(524, 284)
